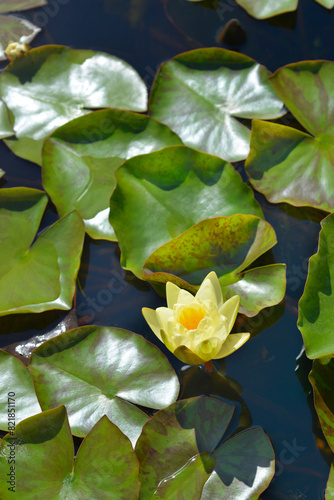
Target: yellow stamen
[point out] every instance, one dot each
(190, 317)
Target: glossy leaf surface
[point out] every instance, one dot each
(16, 384)
(105, 466)
(181, 187)
(5, 126)
(262, 9)
(288, 165)
(316, 307)
(321, 377)
(80, 159)
(73, 81)
(203, 94)
(47, 266)
(175, 442)
(117, 374)
(226, 245)
(15, 29)
(11, 6)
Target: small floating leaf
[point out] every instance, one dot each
(321, 377)
(16, 384)
(85, 153)
(181, 187)
(288, 165)
(48, 266)
(105, 465)
(185, 437)
(316, 306)
(262, 9)
(203, 94)
(73, 81)
(117, 374)
(226, 245)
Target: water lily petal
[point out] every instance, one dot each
(151, 318)
(163, 315)
(207, 292)
(230, 310)
(208, 349)
(232, 343)
(216, 285)
(185, 297)
(168, 341)
(172, 294)
(187, 356)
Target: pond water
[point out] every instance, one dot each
(261, 378)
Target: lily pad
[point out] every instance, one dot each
(262, 9)
(288, 165)
(15, 29)
(48, 266)
(203, 94)
(117, 374)
(316, 306)
(321, 378)
(226, 245)
(73, 81)
(80, 159)
(15, 5)
(18, 396)
(178, 453)
(105, 465)
(181, 187)
(329, 494)
(5, 126)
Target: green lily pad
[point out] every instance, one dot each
(178, 453)
(321, 378)
(226, 245)
(117, 374)
(316, 306)
(48, 266)
(73, 81)
(5, 126)
(262, 9)
(203, 94)
(17, 391)
(1, 173)
(181, 187)
(105, 465)
(288, 165)
(80, 159)
(15, 5)
(329, 494)
(15, 29)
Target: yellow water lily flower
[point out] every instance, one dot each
(197, 328)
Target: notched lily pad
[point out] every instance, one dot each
(80, 159)
(316, 306)
(16, 5)
(262, 9)
(203, 94)
(226, 245)
(288, 165)
(48, 266)
(73, 81)
(181, 187)
(176, 451)
(117, 374)
(105, 465)
(17, 392)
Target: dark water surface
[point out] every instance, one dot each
(262, 376)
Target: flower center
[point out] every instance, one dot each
(190, 317)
